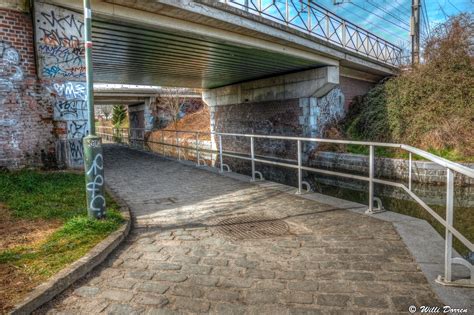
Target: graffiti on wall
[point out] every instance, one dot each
(75, 152)
(329, 109)
(10, 71)
(77, 129)
(70, 90)
(59, 42)
(70, 110)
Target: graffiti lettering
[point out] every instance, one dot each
(74, 72)
(77, 129)
(10, 71)
(70, 110)
(63, 54)
(71, 90)
(65, 22)
(75, 150)
(97, 201)
(60, 46)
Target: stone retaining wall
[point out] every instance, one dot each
(423, 171)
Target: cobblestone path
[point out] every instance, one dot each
(187, 252)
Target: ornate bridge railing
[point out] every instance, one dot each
(310, 17)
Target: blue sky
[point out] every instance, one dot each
(390, 19)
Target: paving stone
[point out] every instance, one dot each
(271, 284)
(223, 295)
(151, 299)
(154, 256)
(185, 259)
(333, 300)
(215, 262)
(259, 274)
(244, 263)
(188, 291)
(140, 274)
(193, 305)
(152, 286)
(359, 276)
(134, 264)
(297, 297)
(371, 302)
(160, 311)
(260, 297)
(144, 248)
(290, 275)
(207, 281)
(164, 266)
(117, 295)
(402, 303)
(304, 285)
(123, 309)
(86, 291)
(305, 311)
(228, 272)
(171, 277)
(121, 283)
(228, 309)
(236, 283)
(260, 309)
(197, 269)
(205, 253)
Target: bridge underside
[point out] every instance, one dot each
(128, 54)
(194, 44)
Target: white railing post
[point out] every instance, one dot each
(409, 170)
(177, 146)
(327, 26)
(252, 156)
(449, 221)
(309, 15)
(344, 31)
(371, 179)
(221, 162)
(163, 142)
(197, 148)
(300, 172)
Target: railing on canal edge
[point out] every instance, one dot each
(137, 135)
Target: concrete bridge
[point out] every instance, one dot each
(266, 61)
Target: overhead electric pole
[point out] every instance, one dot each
(415, 31)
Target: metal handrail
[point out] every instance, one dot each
(451, 168)
(318, 21)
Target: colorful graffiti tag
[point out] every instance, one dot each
(60, 51)
(59, 41)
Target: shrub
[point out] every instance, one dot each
(431, 105)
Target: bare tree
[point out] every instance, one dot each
(171, 99)
(107, 111)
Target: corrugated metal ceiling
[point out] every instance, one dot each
(132, 55)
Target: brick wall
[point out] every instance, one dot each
(266, 118)
(26, 113)
(352, 88)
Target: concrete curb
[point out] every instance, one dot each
(46, 291)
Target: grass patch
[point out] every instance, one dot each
(39, 196)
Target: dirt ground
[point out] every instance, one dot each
(15, 283)
(198, 121)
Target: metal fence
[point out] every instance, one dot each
(220, 153)
(308, 16)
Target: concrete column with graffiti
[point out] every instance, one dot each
(61, 63)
